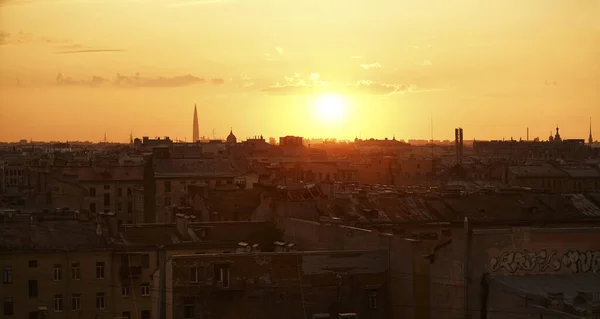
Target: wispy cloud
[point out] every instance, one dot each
(186, 3)
(89, 51)
(279, 50)
(313, 84)
(244, 81)
(8, 38)
(137, 80)
(369, 66)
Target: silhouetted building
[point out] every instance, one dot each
(231, 139)
(196, 133)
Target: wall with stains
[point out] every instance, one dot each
(509, 251)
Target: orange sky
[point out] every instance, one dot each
(68, 67)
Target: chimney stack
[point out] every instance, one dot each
(458, 141)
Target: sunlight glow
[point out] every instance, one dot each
(331, 107)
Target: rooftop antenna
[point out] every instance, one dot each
(105, 140)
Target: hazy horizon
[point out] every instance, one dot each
(77, 69)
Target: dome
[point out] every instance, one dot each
(231, 138)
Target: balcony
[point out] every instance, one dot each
(130, 272)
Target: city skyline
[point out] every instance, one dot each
(400, 67)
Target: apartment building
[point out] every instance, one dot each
(327, 284)
(54, 269)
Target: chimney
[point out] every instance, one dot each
(557, 301)
(461, 136)
(113, 225)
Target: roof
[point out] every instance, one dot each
(582, 172)
(382, 207)
(46, 235)
(102, 173)
(537, 171)
(236, 201)
(543, 285)
(186, 167)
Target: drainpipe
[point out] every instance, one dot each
(467, 248)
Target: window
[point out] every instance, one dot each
(33, 288)
(9, 308)
(76, 302)
(188, 310)
(106, 199)
(130, 208)
(93, 207)
(222, 275)
(126, 314)
(92, 192)
(100, 300)
(119, 192)
(145, 314)
(167, 201)
(100, 270)
(58, 272)
(372, 300)
(106, 187)
(119, 207)
(182, 201)
(75, 271)
(33, 264)
(58, 303)
(125, 291)
(7, 275)
(129, 191)
(167, 187)
(197, 274)
(146, 261)
(145, 290)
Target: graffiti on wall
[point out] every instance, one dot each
(574, 261)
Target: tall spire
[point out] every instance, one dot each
(196, 133)
(590, 139)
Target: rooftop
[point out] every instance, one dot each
(69, 235)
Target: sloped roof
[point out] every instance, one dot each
(49, 235)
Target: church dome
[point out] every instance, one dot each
(231, 138)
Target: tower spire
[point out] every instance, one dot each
(196, 130)
(590, 138)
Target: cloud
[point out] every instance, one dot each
(7, 38)
(279, 50)
(313, 84)
(138, 80)
(245, 81)
(369, 66)
(89, 51)
(92, 81)
(196, 2)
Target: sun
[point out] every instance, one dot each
(331, 107)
